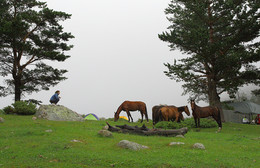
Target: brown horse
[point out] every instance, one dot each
(173, 113)
(203, 112)
(158, 117)
(128, 106)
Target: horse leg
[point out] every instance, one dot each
(195, 119)
(166, 118)
(129, 116)
(142, 116)
(177, 118)
(199, 122)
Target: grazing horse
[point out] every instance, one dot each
(184, 109)
(203, 112)
(128, 106)
(173, 113)
(158, 117)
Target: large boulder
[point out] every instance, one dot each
(57, 113)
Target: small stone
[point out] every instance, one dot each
(48, 130)
(105, 133)
(176, 143)
(131, 145)
(180, 136)
(199, 146)
(34, 118)
(1, 120)
(74, 140)
(105, 127)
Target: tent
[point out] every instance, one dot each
(123, 117)
(91, 116)
(241, 109)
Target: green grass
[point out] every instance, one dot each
(24, 143)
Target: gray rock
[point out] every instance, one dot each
(48, 130)
(180, 136)
(2, 120)
(105, 133)
(75, 140)
(176, 143)
(131, 145)
(57, 113)
(199, 146)
(105, 127)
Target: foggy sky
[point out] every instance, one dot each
(117, 56)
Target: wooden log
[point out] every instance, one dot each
(145, 131)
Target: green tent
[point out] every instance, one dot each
(91, 116)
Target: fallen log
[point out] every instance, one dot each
(145, 131)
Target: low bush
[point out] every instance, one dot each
(21, 108)
(189, 123)
(8, 110)
(24, 108)
(2, 111)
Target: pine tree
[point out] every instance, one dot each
(220, 39)
(31, 35)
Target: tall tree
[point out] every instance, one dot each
(30, 35)
(220, 39)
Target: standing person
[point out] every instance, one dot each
(55, 98)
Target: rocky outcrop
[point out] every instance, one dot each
(57, 113)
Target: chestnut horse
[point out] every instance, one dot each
(158, 117)
(203, 112)
(171, 112)
(128, 106)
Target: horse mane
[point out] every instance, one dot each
(119, 109)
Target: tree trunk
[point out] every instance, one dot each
(17, 88)
(214, 99)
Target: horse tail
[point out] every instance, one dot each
(219, 118)
(160, 116)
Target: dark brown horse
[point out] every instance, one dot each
(203, 112)
(170, 113)
(158, 117)
(128, 106)
(155, 114)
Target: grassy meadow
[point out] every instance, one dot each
(25, 143)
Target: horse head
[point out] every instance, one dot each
(116, 116)
(186, 109)
(192, 104)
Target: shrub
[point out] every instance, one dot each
(24, 108)
(189, 123)
(2, 111)
(8, 110)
